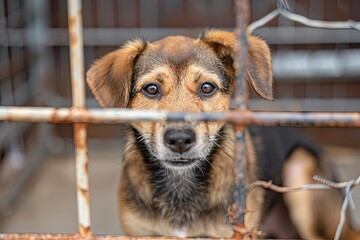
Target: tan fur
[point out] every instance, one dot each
(259, 67)
(152, 224)
(255, 198)
(299, 171)
(109, 78)
(179, 74)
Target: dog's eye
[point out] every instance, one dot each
(151, 90)
(207, 89)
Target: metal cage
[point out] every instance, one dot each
(80, 116)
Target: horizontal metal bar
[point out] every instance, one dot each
(117, 36)
(305, 104)
(242, 117)
(93, 36)
(316, 64)
(306, 35)
(281, 105)
(30, 236)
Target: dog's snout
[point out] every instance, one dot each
(180, 140)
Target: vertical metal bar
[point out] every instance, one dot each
(241, 102)
(80, 129)
(242, 16)
(76, 53)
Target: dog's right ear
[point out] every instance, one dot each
(110, 77)
(258, 66)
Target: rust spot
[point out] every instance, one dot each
(55, 116)
(9, 118)
(239, 128)
(231, 213)
(73, 42)
(72, 21)
(86, 168)
(239, 117)
(80, 135)
(85, 115)
(85, 232)
(240, 232)
(85, 193)
(72, 35)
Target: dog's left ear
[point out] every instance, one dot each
(258, 66)
(110, 77)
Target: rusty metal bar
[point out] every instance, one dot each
(80, 129)
(241, 48)
(30, 236)
(236, 216)
(76, 53)
(240, 117)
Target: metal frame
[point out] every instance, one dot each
(80, 129)
(241, 117)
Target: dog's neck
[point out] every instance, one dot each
(179, 196)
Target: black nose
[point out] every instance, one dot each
(179, 140)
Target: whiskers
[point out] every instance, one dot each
(179, 176)
(144, 138)
(226, 148)
(199, 167)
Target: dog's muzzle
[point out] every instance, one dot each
(179, 140)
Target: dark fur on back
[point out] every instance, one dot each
(275, 145)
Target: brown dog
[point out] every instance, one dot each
(177, 177)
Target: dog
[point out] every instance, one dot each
(177, 177)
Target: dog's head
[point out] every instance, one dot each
(178, 74)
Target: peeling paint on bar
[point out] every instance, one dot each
(82, 178)
(76, 52)
(239, 117)
(80, 129)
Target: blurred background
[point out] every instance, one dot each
(314, 70)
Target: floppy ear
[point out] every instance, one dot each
(258, 65)
(110, 77)
(259, 69)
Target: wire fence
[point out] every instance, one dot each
(241, 117)
(283, 9)
(326, 184)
